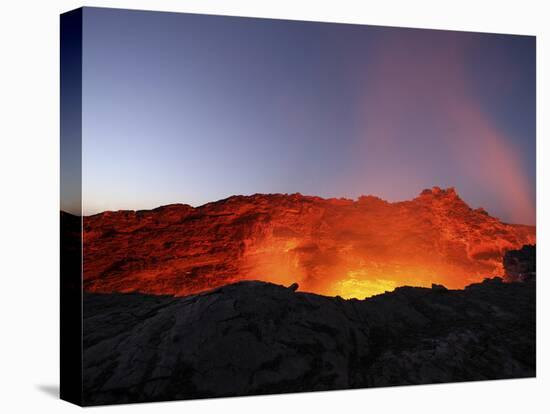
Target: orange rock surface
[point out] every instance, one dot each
(328, 246)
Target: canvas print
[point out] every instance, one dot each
(258, 206)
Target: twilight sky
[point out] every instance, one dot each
(192, 109)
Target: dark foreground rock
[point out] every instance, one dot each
(257, 338)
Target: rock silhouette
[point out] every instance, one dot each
(520, 265)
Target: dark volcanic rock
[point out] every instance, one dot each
(520, 265)
(256, 338)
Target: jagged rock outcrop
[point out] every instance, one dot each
(329, 246)
(520, 265)
(256, 338)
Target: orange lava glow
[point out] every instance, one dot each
(353, 249)
(350, 272)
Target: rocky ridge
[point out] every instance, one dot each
(352, 248)
(255, 338)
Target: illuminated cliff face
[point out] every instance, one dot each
(328, 246)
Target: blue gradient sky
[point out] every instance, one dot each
(192, 109)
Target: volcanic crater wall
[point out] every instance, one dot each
(329, 246)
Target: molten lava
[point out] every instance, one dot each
(328, 246)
